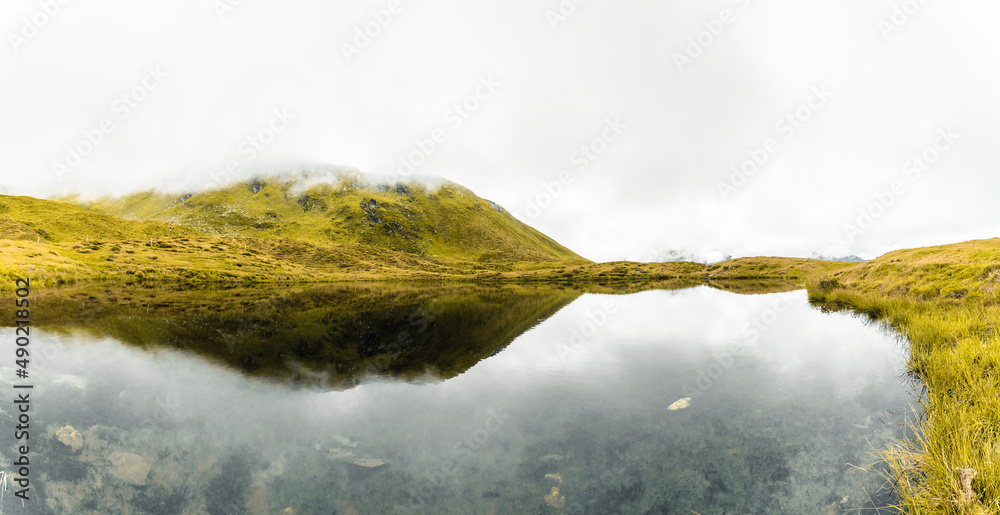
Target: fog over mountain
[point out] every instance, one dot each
(736, 126)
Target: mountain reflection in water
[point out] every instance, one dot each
(323, 337)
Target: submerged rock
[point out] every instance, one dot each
(680, 404)
(369, 462)
(130, 468)
(343, 442)
(70, 437)
(65, 496)
(258, 502)
(362, 468)
(339, 454)
(554, 499)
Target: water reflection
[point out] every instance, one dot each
(571, 416)
(323, 337)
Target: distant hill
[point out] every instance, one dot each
(845, 259)
(714, 256)
(444, 221)
(969, 270)
(703, 257)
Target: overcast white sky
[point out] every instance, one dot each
(867, 85)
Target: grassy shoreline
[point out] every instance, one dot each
(945, 300)
(199, 260)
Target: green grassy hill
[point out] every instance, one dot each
(960, 271)
(446, 222)
(308, 226)
(36, 220)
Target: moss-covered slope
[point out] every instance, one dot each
(445, 221)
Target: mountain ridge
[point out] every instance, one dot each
(445, 221)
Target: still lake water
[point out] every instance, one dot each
(469, 401)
